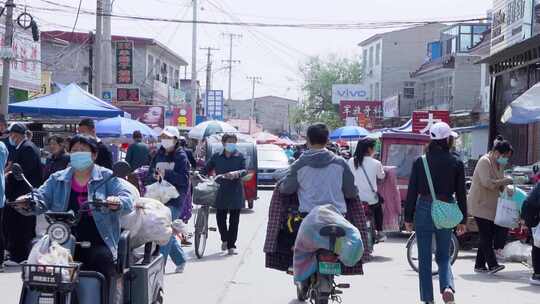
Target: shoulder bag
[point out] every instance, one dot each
(380, 199)
(446, 215)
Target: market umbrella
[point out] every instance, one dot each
(349, 133)
(265, 138)
(210, 127)
(122, 127)
(525, 109)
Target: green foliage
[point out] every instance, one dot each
(319, 76)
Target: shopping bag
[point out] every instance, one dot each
(507, 213)
(517, 252)
(536, 236)
(205, 193)
(162, 191)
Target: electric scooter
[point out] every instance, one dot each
(136, 281)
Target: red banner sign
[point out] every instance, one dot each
(423, 120)
(368, 113)
(124, 94)
(124, 62)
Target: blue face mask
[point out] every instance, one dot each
(229, 147)
(81, 160)
(503, 161)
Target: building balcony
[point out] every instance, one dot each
(445, 62)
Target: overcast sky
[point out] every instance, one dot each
(273, 54)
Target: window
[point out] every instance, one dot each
(371, 57)
(150, 65)
(176, 79)
(378, 54)
(364, 58)
(465, 43)
(371, 92)
(157, 69)
(171, 79)
(408, 93)
(377, 95)
(164, 72)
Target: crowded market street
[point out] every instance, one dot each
(243, 279)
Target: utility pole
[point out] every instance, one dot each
(208, 69)
(98, 49)
(106, 47)
(254, 80)
(231, 61)
(194, 66)
(90, 62)
(7, 54)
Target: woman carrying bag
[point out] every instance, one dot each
(437, 181)
(487, 184)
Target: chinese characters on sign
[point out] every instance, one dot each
(124, 62)
(124, 94)
(368, 113)
(214, 105)
(423, 120)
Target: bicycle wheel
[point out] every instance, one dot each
(201, 231)
(412, 253)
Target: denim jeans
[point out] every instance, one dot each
(173, 248)
(425, 229)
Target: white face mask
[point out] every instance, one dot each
(167, 143)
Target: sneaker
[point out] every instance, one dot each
(448, 296)
(180, 268)
(535, 280)
(496, 269)
(481, 270)
(10, 263)
(232, 251)
(186, 243)
(224, 246)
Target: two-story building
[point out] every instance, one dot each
(389, 58)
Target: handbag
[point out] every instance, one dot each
(445, 215)
(507, 215)
(378, 196)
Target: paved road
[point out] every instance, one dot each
(242, 279)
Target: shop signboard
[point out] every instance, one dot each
(26, 66)
(106, 96)
(124, 62)
(391, 107)
(129, 95)
(152, 116)
(351, 92)
(214, 105)
(423, 120)
(368, 113)
(181, 116)
(512, 22)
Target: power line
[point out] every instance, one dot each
(76, 19)
(230, 61)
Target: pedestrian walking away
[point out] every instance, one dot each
(104, 157)
(18, 229)
(447, 176)
(138, 153)
(171, 165)
(367, 170)
(531, 215)
(231, 165)
(487, 184)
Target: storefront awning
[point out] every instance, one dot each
(518, 54)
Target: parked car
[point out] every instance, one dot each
(271, 159)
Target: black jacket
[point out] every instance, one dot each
(28, 157)
(55, 163)
(104, 157)
(191, 158)
(448, 175)
(531, 208)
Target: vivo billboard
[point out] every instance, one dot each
(350, 92)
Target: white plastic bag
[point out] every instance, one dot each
(48, 253)
(162, 191)
(156, 223)
(517, 252)
(536, 236)
(507, 213)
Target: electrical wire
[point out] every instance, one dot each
(76, 19)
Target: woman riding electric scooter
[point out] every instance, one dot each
(69, 189)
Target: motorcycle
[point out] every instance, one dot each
(135, 281)
(321, 286)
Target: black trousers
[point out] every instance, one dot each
(97, 258)
(2, 239)
(486, 254)
(19, 231)
(229, 234)
(536, 260)
(377, 212)
(501, 236)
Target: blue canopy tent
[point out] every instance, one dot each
(525, 109)
(71, 101)
(123, 127)
(349, 133)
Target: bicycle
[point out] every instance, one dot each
(412, 252)
(205, 198)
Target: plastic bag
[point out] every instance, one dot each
(507, 213)
(517, 252)
(156, 223)
(205, 193)
(536, 236)
(46, 253)
(162, 191)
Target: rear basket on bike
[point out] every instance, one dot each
(51, 278)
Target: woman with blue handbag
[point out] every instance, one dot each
(437, 181)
